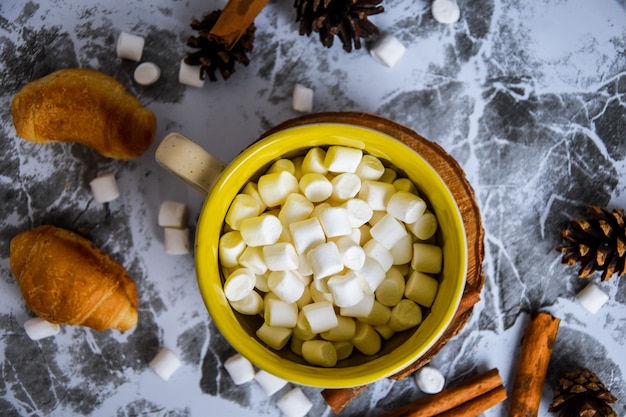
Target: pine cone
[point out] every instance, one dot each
(582, 394)
(348, 19)
(598, 243)
(214, 56)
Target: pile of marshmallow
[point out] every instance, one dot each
(333, 250)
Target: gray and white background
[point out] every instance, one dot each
(529, 97)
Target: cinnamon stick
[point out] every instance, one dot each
(234, 20)
(450, 398)
(338, 399)
(478, 405)
(533, 365)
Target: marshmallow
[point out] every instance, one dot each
(405, 184)
(165, 363)
(304, 267)
(261, 282)
(252, 258)
(317, 295)
(406, 207)
(325, 260)
(371, 275)
(430, 380)
(320, 316)
(147, 73)
(239, 368)
(280, 257)
(361, 309)
(296, 345)
(280, 314)
(297, 167)
(130, 46)
(286, 285)
(389, 176)
(387, 50)
(38, 328)
(359, 212)
(345, 186)
(404, 315)
(239, 284)
(592, 298)
(320, 353)
(377, 215)
(261, 230)
(352, 254)
(402, 251)
(176, 241)
(370, 168)
(315, 187)
(335, 221)
(190, 75)
(173, 214)
(342, 159)
(303, 330)
(365, 339)
(104, 188)
(282, 164)
(388, 231)
(252, 189)
(276, 186)
(231, 246)
(314, 161)
(445, 11)
(425, 227)
(271, 384)
(295, 208)
(385, 332)
(343, 331)
(305, 298)
(302, 99)
(307, 234)
(421, 288)
(365, 234)
(391, 290)
(426, 258)
(379, 315)
(274, 337)
(294, 403)
(376, 194)
(346, 289)
(250, 305)
(344, 349)
(376, 251)
(244, 206)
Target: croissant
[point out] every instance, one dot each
(84, 106)
(66, 279)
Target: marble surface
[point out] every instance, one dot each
(529, 97)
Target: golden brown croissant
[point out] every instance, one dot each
(66, 279)
(84, 106)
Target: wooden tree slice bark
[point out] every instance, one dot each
(454, 177)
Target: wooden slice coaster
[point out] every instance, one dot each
(454, 177)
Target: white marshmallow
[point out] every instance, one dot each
(239, 284)
(303, 331)
(389, 176)
(261, 230)
(343, 331)
(359, 212)
(315, 187)
(176, 241)
(318, 295)
(335, 221)
(376, 194)
(282, 164)
(280, 256)
(361, 309)
(406, 207)
(271, 384)
(320, 316)
(239, 368)
(325, 260)
(421, 288)
(274, 337)
(370, 168)
(344, 349)
(592, 298)
(260, 282)
(391, 290)
(104, 188)
(404, 315)
(305, 298)
(430, 380)
(377, 215)
(314, 161)
(250, 305)
(385, 332)
(402, 251)
(190, 75)
(352, 253)
(345, 186)
(280, 314)
(388, 231)
(405, 184)
(304, 267)
(252, 258)
(38, 328)
(276, 186)
(379, 315)
(445, 11)
(307, 234)
(319, 352)
(165, 363)
(252, 189)
(371, 275)
(231, 246)
(387, 50)
(365, 339)
(297, 166)
(243, 206)
(286, 285)
(376, 251)
(294, 404)
(173, 214)
(426, 258)
(425, 227)
(346, 289)
(302, 99)
(130, 46)
(342, 159)
(295, 208)
(147, 73)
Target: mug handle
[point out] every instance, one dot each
(189, 161)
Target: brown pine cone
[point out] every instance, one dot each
(582, 394)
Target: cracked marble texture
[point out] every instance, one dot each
(529, 97)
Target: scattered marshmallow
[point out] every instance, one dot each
(190, 75)
(376, 251)
(346, 289)
(315, 187)
(295, 208)
(276, 186)
(370, 168)
(173, 214)
(295, 403)
(176, 241)
(239, 368)
(445, 11)
(592, 298)
(261, 230)
(252, 257)
(38, 328)
(286, 285)
(430, 380)
(388, 231)
(165, 363)
(325, 260)
(271, 384)
(104, 188)
(320, 316)
(280, 314)
(335, 221)
(342, 159)
(130, 46)
(147, 73)
(371, 275)
(359, 212)
(376, 193)
(352, 253)
(387, 50)
(302, 100)
(406, 206)
(345, 186)
(280, 256)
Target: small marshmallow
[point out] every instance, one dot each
(426, 258)
(335, 221)
(104, 188)
(295, 403)
(346, 289)
(239, 368)
(165, 363)
(345, 186)
(371, 275)
(391, 290)
(176, 241)
(190, 75)
(280, 314)
(387, 50)
(252, 258)
(376, 193)
(319, 352)
(343, 331)
(243, 206)
(261, 230)
(147, 73)
(425, 227)
(352, 253)
(406, 207)
(314, 161)
(306, 234)
(173, 214)
(592, 298)
(344, 349)
(320, 316)
(271, 384)
(295, 208)
(379, 316)
(366, 339)
(402, 251)
(302, 100)
(38, 328)
(315, 187)
(282, 164)
(231, 246)
(421, 288)
(430, 380)
(274, 337)
(276, 186)
(376, 251)
(250, 305)
(370, 168)
(286, 285)
(252, 189)
(445, 11)
(359, 212)
(388, 231)
(342, 159)
(325, 260)
(239, 284)
(280, 256)
(405, 184)
(404, 315)
(361, 309)
(130, 46)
